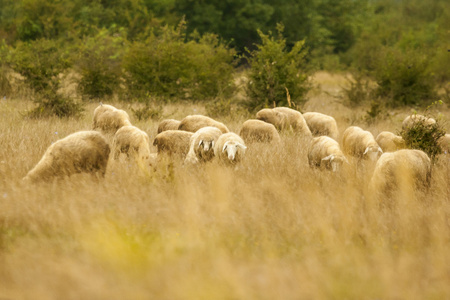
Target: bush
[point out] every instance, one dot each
(424, 137)
(403, 78)
(39, 62)
(99, 63)
(168, 66)
(358, 92)
(273, 69)
(50, 103)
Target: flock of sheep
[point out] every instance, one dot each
(198, 139)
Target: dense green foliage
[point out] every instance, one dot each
(136, 49)
(274, 70)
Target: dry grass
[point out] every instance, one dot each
(270, 229)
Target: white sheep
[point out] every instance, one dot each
(109, 119)
(321, 124)
(284, 118)
(133, 142)
(444, 143)
(390, 142)
(259, 131)
(230, 148)
(80, 152)
(173, 142)
(192, 123)
(360, 144)
(405, 170)
(202, 144)
(325, 153)
(168, 124)
(410, 120)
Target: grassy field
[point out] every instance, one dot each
(270, 229)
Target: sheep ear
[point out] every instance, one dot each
(367, 150)
(379, 150)
(225, 146)
(212, 144)
(242, 146)
(200, 143)
(329, 157)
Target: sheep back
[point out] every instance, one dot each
(173, 142)
(80, 152)
(325, 152)
(168, 124)
(410, 120)
(321, 124)
(359, 143)
(259, 131)
(193, 123)
(390, 142)
(132, 141)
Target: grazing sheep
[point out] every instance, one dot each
(406, 170)
(229, 148)
(284, 118)
(360, 143)
(321, 124)
(409, 121)
(202, 144)
(259, 131)
(168, 124)
(325, 152)
(193, 123)
(109, 119)
(390, 142)
(133, 142)
(444, 142)
(173, 142)
(80, 152)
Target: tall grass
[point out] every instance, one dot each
(270, 229)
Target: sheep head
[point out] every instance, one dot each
(233, 150)
(372, 152)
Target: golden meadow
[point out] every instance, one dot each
(270, 229)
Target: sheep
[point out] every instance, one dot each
(284, 118)
(133, 142)
(80, 152)
(109, 119)
(444, 143)
(410, 120)
(202, 144)
(321, 124)
(325, 153)
(360, 143)
(406, 170)
(229, 148)
(168, 124)
(390, 142)
(259, 131)
(173, 142)
(192, 123)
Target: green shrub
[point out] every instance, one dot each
(273, 69)
(424, 137)
(50, 103)
(170, 66)
(358, 92)
(99, 63)
(39, 62)
(403, 78)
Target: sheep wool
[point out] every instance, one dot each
(390, 142)
(108, 119)
(325, 153)
(257, 131)
(193, 123)
(80, 152)
(321, 124)
(168, 124)
(133, 142)
(284, 118)
(410, 120)
(405, 170)
(230, 148)
(173, 142)
(202, 144)
(360, 143)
